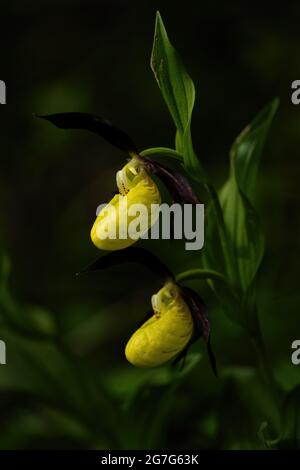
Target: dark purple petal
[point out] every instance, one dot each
(198, 310)
(95, 124)
(201, 322)
(176, 183)
(131, 254)
(212, 358)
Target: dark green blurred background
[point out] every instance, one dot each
(94, 56)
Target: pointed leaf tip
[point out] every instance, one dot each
(178, 91)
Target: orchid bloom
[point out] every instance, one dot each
(135, 187)
(178, 317)
(134, 182)
(165, 334)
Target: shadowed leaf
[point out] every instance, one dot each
(237, 196)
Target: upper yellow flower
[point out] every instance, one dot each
(135, 187)
(165, 334)
(119, 224)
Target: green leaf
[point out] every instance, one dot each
(245, 232)
(247, 149)
(33, 322)
(247, 403)
(263, 434)
(178, 92)
(223, 290)
(152, 404)
(237, 197)
(291, 420)
(176, 85)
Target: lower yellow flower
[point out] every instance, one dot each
(165, 334)
(111, 230)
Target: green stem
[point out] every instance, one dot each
(266, 369)
(227, 252)
(191, 274)
(164, 151)
(226, 248)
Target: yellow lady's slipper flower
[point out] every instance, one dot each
(111, 230)
(165, 334)
(179, 314)
(121, 222)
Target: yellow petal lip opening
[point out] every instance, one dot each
(135, 187)
(165, 334)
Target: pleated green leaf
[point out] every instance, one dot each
(178, 92)
(237, 197)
